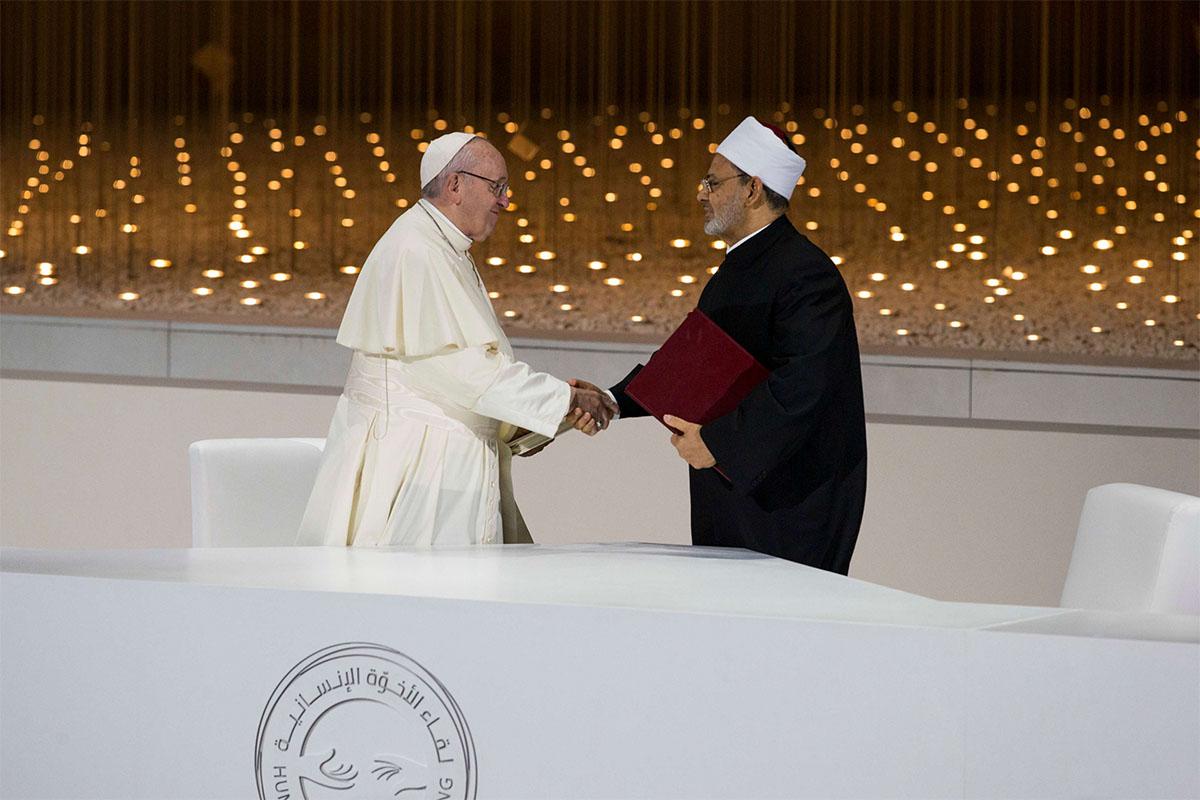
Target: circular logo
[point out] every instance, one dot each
(365, 717)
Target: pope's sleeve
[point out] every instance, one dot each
(808, 327)
(490, 383)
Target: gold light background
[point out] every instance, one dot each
(997, 176)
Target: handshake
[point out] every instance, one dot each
(590, 411)
(591, 407)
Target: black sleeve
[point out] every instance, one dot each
(809, 327)
(628, 407)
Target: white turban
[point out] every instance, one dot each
(757, 151)
(439, 153)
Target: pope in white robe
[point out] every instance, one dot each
(417, 451)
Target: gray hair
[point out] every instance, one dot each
(465, 160)
(775, 201)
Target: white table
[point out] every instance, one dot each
(615, 671)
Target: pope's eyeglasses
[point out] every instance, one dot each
(497, 187)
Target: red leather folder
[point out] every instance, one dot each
(699, 374)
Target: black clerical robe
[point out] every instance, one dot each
(794, 452)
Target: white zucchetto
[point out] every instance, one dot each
(439, 153)
(757, 151)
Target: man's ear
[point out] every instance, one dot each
(757, 195)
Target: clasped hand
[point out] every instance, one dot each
(591, 408)
(689, 444)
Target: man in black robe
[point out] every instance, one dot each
(794, 452)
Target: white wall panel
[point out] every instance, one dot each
(1149, 399)
(917, 387)
(952, 512)
(124, 347)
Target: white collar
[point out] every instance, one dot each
(742, 240)
(458, 240)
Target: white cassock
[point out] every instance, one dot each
(416, 452)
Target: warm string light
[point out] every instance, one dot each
(937, 153)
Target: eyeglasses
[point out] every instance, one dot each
(708, 185)
(498, 188)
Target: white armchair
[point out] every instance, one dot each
(1137, 549)
(251, 492)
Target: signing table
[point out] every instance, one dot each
(591, 671)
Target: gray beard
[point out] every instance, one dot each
(722, 221)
